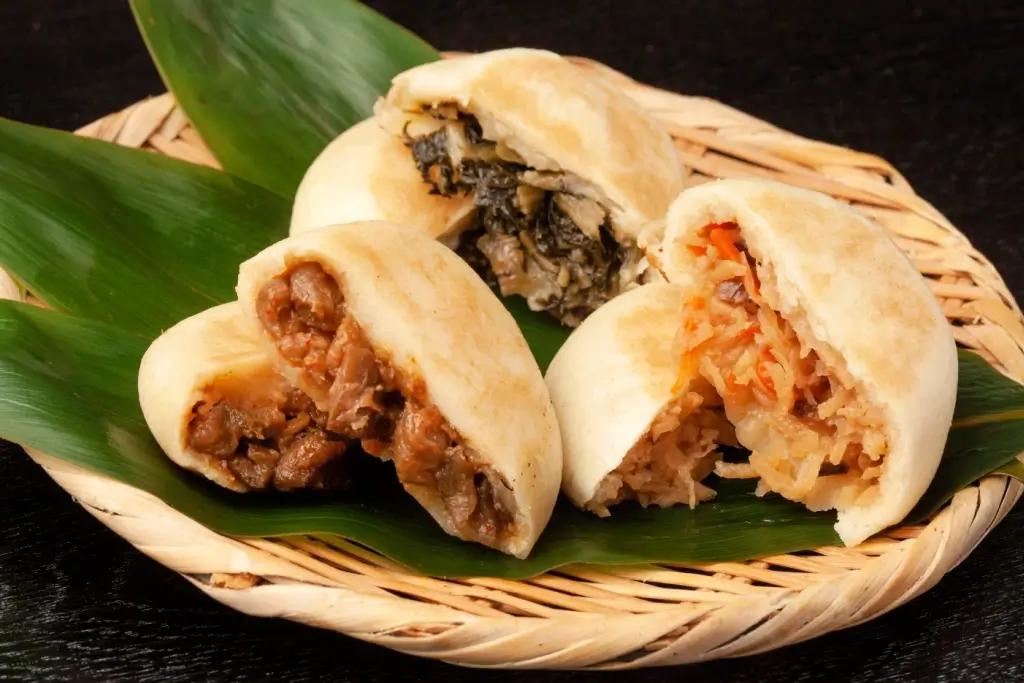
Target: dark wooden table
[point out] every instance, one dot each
(935, 87)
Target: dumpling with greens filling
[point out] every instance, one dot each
(560, 169)
(365, 175)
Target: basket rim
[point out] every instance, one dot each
(620, 619)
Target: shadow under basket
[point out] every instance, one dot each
(588, 617)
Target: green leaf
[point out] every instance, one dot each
(543, 333)
(1014, 468)
(67, 388)
(142, 241)
(267, 95)
(124, 236)
(268, 83)
(987, 432)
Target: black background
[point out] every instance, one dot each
(934, 87)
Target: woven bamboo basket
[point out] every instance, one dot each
(609, 617)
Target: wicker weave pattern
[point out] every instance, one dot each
(606, 617)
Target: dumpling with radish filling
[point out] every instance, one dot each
(831, 356)
(632, 427)
(563, 167)
(365, 174)
(215, 405)
(408, 351)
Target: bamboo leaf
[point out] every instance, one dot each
(987, 432)
(123, 236)
(268, 83)
(142, 241)
(1014, 468)
(542, 332)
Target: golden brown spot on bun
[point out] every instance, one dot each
(632, 333)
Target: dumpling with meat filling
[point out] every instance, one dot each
(831, 356)
(215, 405)
(407, 351)
(561, 167)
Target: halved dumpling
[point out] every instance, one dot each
(214, 403)
(406, 350)
(365, 174)
(831, 355)
(564, 167)
(632, 428)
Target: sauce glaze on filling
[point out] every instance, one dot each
(367, 401)
(273, 439)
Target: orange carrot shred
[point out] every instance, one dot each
(750, 331)
(682, 378)
(762, 371)
(751, 283)
(723, 241)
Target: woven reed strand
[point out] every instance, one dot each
(579, 616)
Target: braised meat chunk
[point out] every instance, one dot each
(270, 443)
(427, 452)
(367, 402)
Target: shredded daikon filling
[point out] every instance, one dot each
(665, 467)
(812, 436)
